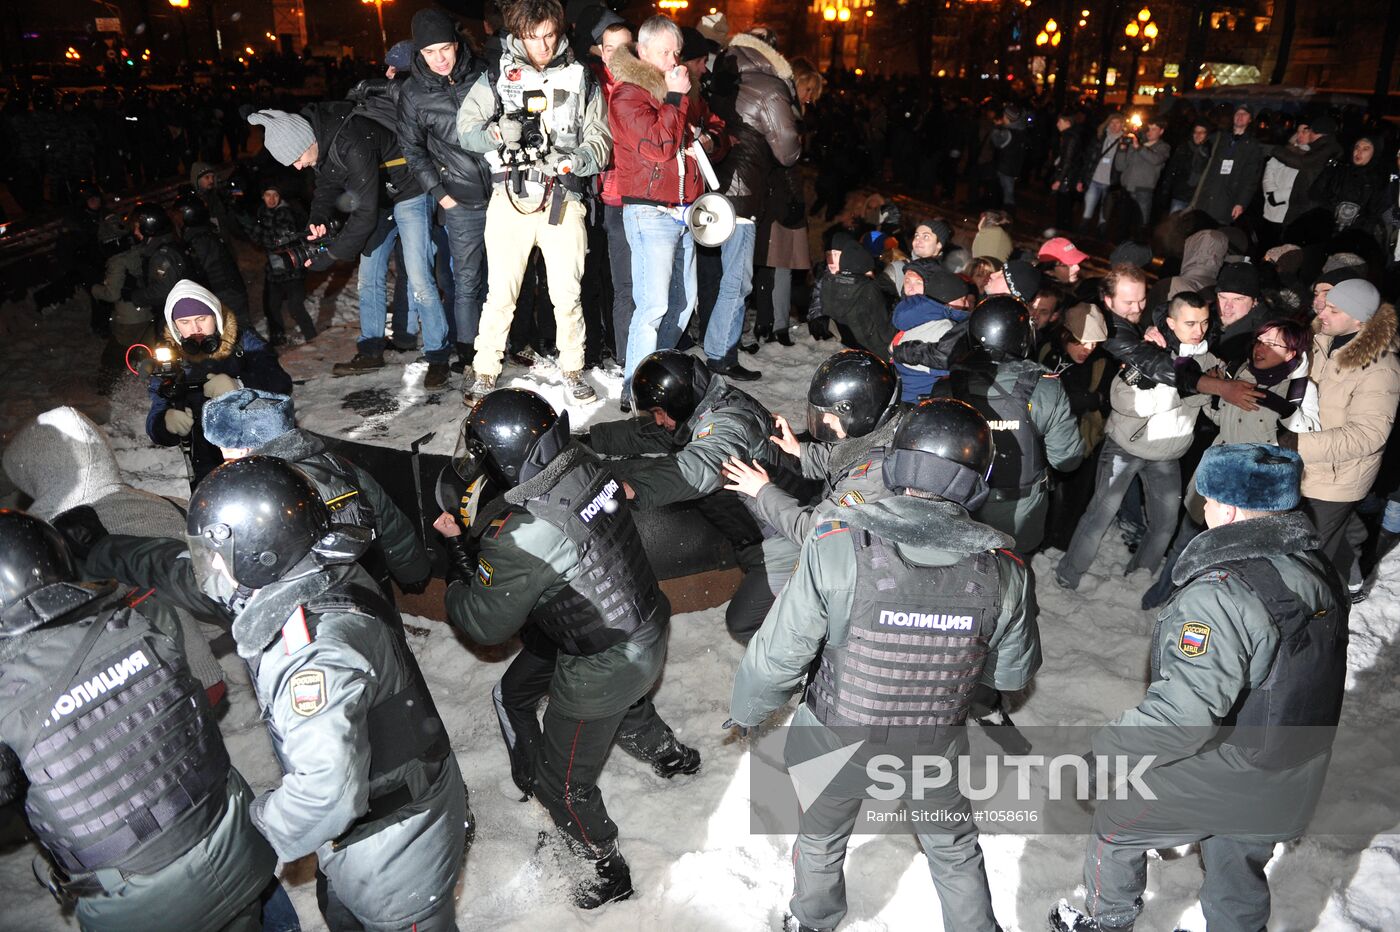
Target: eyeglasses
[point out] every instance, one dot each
(1282, 348)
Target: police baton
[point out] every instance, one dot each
(418, 483)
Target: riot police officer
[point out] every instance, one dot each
(164, 259)
(850, 414)
(86, 669)
(369, 780)
(1029, 413)
(562, 559)
(1248, 674)
(915, 551)
(248, 422)
(700, 422)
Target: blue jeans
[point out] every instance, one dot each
(662, 249)
(727, 319)
(1161, 480)
(1093, 196)
(466, 235)
(1008, 189)
(413, 221)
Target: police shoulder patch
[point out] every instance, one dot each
(1194, 640)
(307, 692)
(484, 572)
(830, 527)
(704, 432)
(861, 470)
(851, 498)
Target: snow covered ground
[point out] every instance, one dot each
(694, 863)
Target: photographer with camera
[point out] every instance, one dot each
(539, 118)
(281, 223)
(353, 148)
(207, 356)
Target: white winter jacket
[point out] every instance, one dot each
(1156, 423)
(1261, 425)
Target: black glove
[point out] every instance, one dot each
(1287, 439)
(461, 563)
(321, 261)
(1280, 406)
(819, 328)
(417, 586)
(81, 529)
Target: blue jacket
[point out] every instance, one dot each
(915, 311)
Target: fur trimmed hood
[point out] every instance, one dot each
(754, 53)
(627, 68)
(1266, 536)
(549, 477)
(1376, 337)
(926, 523)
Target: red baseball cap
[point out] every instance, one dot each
(1063, 251)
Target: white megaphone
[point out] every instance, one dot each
(711, 217)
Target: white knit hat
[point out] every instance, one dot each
(285, 135)
(185, 290)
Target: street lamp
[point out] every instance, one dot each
(383, 36)
(1143, 33)
(839, 13)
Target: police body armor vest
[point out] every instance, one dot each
(336, 484)
(614, 593)
(1288, 719)
(917, 641)
(1020, 461)
(125, 751)
(403, 727)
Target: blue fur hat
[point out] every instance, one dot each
(247, 418)
(1253, 476)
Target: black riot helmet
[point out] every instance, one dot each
(260, 515)
(151, 220)
(858, 387)
(943, 447)
(32, 556)
(670, 380)
(509, 436)
(1001, 325)
(192, 211)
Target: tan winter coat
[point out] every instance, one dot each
(1357, 389)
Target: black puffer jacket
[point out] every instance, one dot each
(350, 173)
(428, 105)
(752, 92)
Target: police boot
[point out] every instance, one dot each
(676, 759)
(1065, 918)
(612, 880)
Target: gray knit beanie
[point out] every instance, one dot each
(286, 135)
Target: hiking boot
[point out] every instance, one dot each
(613, 881)
(483, 386)
(526, 358)
(437, 375)
(679, 759)
(579, 390)
(360, 364)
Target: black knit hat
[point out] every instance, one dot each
(1238, 278)
(432, 27)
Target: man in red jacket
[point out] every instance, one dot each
(654, 118)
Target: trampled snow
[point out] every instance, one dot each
(694, 863)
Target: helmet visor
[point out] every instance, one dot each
(469, 458)
(820, 426)
(211, 558)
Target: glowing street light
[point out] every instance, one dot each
(379, 9)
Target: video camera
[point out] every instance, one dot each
(294, 255)
(533, 143)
